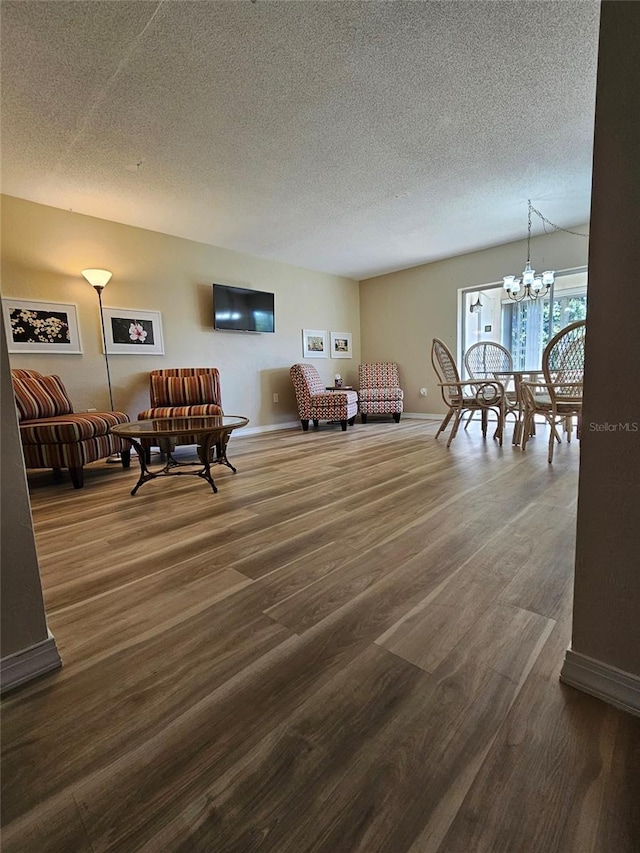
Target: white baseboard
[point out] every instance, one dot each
(29, 663)
(606, 682)
(296, 424)
(422, 416)
(267, 428)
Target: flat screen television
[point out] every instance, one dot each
(242, 310)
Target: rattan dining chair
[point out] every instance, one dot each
(559, 398)
(482, 361)
(485, 358)
(470, 395)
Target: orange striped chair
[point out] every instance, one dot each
(182, 392)
(53, 436)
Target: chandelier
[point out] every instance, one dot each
(530, 285)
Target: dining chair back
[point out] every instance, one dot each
(563, 357)
(485, 358)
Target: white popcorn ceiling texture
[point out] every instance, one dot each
(349, 137)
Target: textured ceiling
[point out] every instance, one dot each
(349, 137)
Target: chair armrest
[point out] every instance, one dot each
(552, 389)
(480, 386)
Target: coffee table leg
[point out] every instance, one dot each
(220, 443)
(222, 458)
(204, 452)
(145, 473)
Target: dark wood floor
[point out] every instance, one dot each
(353, 646)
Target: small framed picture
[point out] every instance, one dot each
(41, 326)
(341, 345)
(129, 331)
(314, 344)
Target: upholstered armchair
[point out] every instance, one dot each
(380, 392)
(182, 392)
(53, 436)
(315, 403)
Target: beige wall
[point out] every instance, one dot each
(607, 586)
(44, 250)
(400, 313)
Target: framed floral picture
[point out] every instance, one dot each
(129, 331)
(314, 344)
(341, 345)
(41, 326)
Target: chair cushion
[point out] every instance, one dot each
(40, 397)
(380, 394)
(193, 390)
(180, 411)
(68, 429)
(17, 373)
(333, 405)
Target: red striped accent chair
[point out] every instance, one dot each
(315, 403)
(380, 392)
(182, 392)
(53, 436)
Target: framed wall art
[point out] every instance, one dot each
(314, 344)
(341, 345)
(129, 331)
(45, 327)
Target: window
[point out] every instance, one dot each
(525, 327)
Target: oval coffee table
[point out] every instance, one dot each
(206, 431)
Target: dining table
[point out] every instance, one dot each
(512, 381)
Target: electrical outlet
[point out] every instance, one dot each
(92, 410)
(423, 392)
(276, 398)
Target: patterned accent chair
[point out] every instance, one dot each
(53, 436)
(315, 403)
(380, 392)
(181, 392)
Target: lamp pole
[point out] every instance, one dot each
(98, 279)
(99, 289)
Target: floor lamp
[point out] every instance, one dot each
(98, 279)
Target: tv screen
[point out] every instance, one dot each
(242, 310)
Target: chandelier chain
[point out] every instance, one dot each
(552, 224)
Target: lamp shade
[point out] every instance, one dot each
(97, 278)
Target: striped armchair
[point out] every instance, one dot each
(380, 392)
(53, 436)
(182, 392)
(316, 403)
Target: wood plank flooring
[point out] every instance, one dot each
(353, 647)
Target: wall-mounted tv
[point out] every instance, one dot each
(242, 310)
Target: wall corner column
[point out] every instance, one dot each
(604, 658)
(28, 648)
